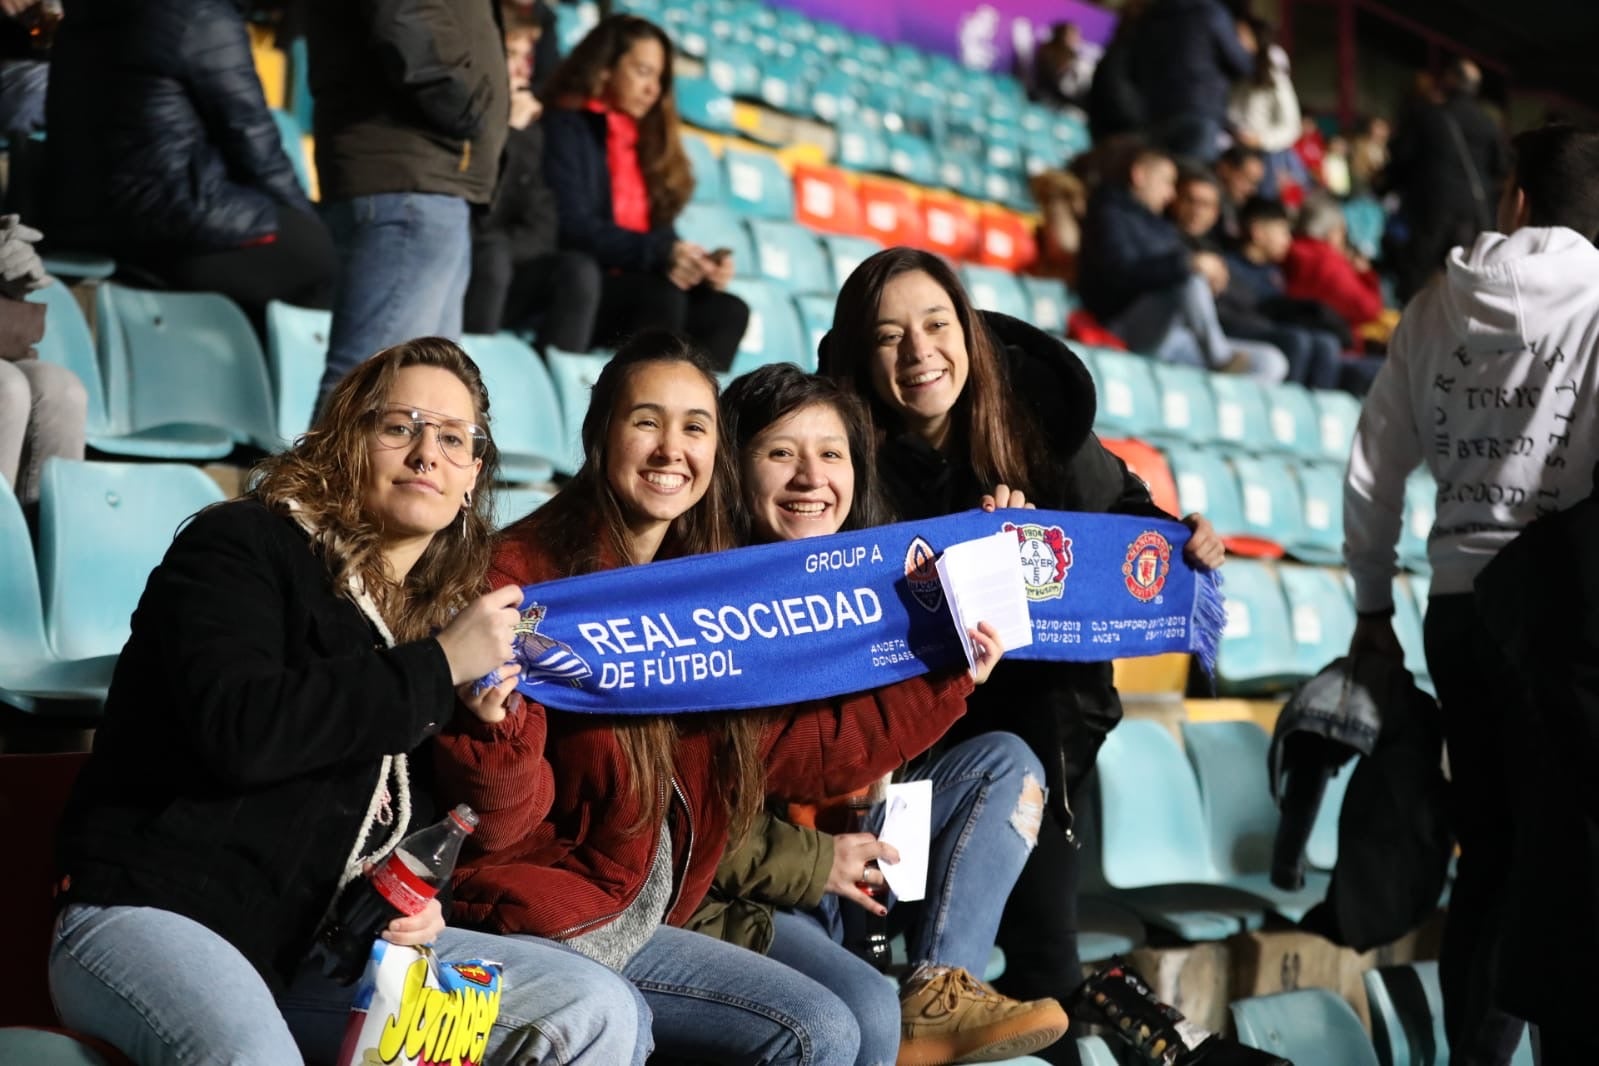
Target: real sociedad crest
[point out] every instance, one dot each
(544, 658)
(921, 575)
(1046, 554)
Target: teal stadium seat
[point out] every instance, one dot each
(1308, 1027)
(1229, 761)
(1093, 1051)
(1128, 405)
(67, 342)
(785, 84)
(961, 172)
(757, 184)
(297, 353)
(1295, 429)
(912, 158)
(1206, 484)
(735, 69)
(709, 186)
(833, 96)
(90, 582)
(1152, 841)
(529, 428)
(995, 290)
(1273, 510)
(511, 504)
(1321, 491)
(293, 138)
(1321, 851)
(1321, 613)
(1186, 410)
(790, 255)
(572, 24)
(702, 103)
(845, 253)
(816, 318)
(1421, 509)
(574, 375)
(1256, 656)
(1337, 414)
(1407, 1014)
(859, 146)
(1048, 303)
(29, 666)
(774, 333)
(201, 385)
(713, 227)
(1243, 422)
(1410, 608)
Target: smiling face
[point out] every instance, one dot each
(413, 488)
(919, 360)
(1197, 207)
(660, 452)
(799, 480)
(633, 85)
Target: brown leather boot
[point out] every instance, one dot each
(948, 1016)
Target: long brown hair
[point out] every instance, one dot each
(987, 421)
(668, 175)
(324, 475)
(564, 528)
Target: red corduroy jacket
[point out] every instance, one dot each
(1315, 270)
(552, 855)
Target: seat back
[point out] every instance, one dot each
(816, 319)
(1093, 1051)
(713, 226)
(1048, 302)
(1128, 402)
(1187, 410)
(825, 200)
(1242, 420)
(1321, 493)
(1410, 611)
(844, 254)
(1205, 483)
(703, 103)
(1147, 462)
(574, 375)
(67, 342)
(912, 158)
(293, 138)
(889, 212)
(1294, 425)
(297, 353)
(1421, 510)
(950, 224)
(774, 334)
(859, 146)
(1337, 414)
(1257, 649)
(1006, 241)
(530, 429)
(1321, 850)
(102, 528)
(757, 184)
(33, 793)
(199, 368)
(23, 645)
(1308, 1027)
(1151, 828)
(709, 186)
(1273, 510)
(1229, 761)
(790, 255)
(993, 289)
(1320, 613)
(1407, 1017)
(511, 504)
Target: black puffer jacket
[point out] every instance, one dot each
(160, 138)
(1062, 710)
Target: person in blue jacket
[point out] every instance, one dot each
(1189, 53)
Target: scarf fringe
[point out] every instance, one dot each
(1210, 618)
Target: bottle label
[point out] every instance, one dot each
(396, 883)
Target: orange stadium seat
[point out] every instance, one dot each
(950, 224)
(890, 213)
(1150, 465)
(826, 200)
(1007, 240)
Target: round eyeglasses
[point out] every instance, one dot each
(401, 427)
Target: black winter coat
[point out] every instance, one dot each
(1428, 162)
(160, 138)
(1187, 58)
(243, 738)
(1062, 710)
(523, 212)
(1127, 251)
(577, 172)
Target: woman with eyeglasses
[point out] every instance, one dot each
(290, 653)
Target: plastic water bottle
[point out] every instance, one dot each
(870, 941)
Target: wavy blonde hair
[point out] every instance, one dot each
(323, 477)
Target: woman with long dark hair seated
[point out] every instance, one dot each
(613, 158)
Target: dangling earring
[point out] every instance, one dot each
(466, 510)
(466, 499)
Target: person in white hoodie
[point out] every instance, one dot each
(1492, 380)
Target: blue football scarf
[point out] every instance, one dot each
(826, 616)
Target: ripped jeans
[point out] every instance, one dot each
(988, 797)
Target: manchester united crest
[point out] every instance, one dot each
(1046, 555)
(1148, 560)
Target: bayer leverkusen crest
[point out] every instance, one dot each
(1046, 554)
(1148, 560)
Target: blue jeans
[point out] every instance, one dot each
(404, 262)
(1178, 324)
(801, 942)
(717, 1002)
(164, 989)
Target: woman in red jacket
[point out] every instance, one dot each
(604, 833)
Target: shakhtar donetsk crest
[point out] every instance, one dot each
(921, 575)
(1148, 560)
(1046, 554)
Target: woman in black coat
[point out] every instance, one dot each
(943, 383)
(288, 655)
(162, 153)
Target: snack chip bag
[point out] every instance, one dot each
(411, 1008)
